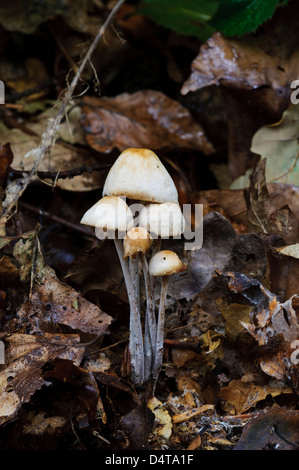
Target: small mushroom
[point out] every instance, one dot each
(164, 263)
(109, 214)
(163, 220)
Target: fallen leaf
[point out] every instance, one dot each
(136, 426)
(240, 396)
(53, 301)
(240, 64)
(22, 375)
(180, 357)
(276, 428)
(254, 75)
(144, 119)
(195, 443)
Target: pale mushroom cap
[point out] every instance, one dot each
(139, 174)
(165, 220)
(164, 263)
(109, 213)
(137, 240)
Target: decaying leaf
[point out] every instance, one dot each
(144, 119)
(276, 428)
(240, 64)
(25, 355)
(240, 396)
(52, 300)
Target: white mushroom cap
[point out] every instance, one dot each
(164, 263)
(139, 174)
(109, 213)
(165, 220)
(137, 240)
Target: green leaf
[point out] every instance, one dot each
(189, 17)
(238, 17)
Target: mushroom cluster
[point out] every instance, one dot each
(139, 175)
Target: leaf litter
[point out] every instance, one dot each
(215, 111)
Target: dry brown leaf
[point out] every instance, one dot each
(195, 443)
(52, 300)
(144, 119)
(254, 76)
(180, 356)
(25, 355)
(240, 396)
(276, 428)
(246, 65)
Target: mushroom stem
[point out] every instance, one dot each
(160, 329)
(150, 332)
(135, 340)
(154, 281)
(134, 270)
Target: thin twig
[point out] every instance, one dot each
(57, 219)
(160, 329)
(54, 175)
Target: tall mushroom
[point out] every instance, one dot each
(137, 243)
(164, 263)
(112, 217)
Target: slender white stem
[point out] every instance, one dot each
(134, 270)
(157, 245)
(160, 329)
(150, 322)
(136, 339)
